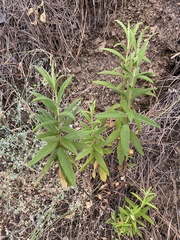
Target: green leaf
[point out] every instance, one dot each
(131, 203)
(42, 153)
(142, 52)
(146, 120)
(137, 196)
(152, 206)
(84, 153)
(113, 73)
(88, 161)
(111, 86)
(67, 114)
(125, 139)
(46, 123)
(53, 77)
(46, 75)
(130, 115)
(147, 218)
(123, 27)
(71, 131)
(68, 145)
(140, 38)
(98, 148)
(43, 119)
(141, 76)
(46, 167)
(50, 104)
(63, 88)
(115, 53)
(114, 135)
(66, 166)
(46, 114)
(136, 143)
(86, 115)
(43, 135)
(139, 91)
(121, 45)
(107, 151)
(111, 114)
(120, 153)
(101, 162)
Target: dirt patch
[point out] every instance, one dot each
(73, 36)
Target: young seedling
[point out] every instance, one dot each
(130, 218)
(129, 72)
(55, 123)
(94, 144)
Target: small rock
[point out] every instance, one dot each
(76, 70)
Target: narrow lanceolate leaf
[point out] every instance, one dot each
(140, 38)
(46, 114)
(146, 120)
(46, 75)
(86, 115)
(98, 148)
(111, 86)
(147, 218)
(71, 131)
(101, 162)
(42, 135)
(84, 153)
(125, 139)
(53, 76)
(67, 114)
(113, 73)
(114, 52)
(142, 52)
(123, 26)
(88, 161)
(50, 104)
(42, 153)
(43, 119)
(63, 87)
(46, 123)
(68, 145)
(146, 78)
(139, 91)
(46, 167)
(66, 166)
(113, 136)
(136, 143)
(111, 114)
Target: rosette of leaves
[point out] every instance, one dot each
(55, 131)
(133, 216)
(129, 72)
(94, 150)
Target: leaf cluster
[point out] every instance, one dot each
(131, 217)
(94, 144)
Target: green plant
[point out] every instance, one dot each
(60, 138)
(94, 144)
(129, 72)
(131, 217)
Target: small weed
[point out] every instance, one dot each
(130, 218)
